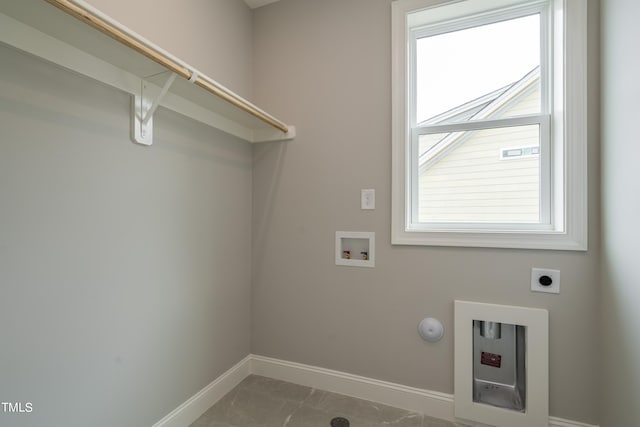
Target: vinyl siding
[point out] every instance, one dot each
(471, 183)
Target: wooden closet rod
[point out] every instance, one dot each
(104, 24)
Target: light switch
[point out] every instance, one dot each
(368, 199)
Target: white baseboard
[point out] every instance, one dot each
(559, 422)
(432, 403)
(198, 404)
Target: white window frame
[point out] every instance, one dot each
(567, 218)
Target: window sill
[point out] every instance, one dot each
(512, 240)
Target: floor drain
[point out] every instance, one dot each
(339, 422)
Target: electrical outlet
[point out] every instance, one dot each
(545, 280)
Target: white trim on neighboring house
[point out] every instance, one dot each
(492, 104)
(512, 94)
(431, 403)
(468, 109)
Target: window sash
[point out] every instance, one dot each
(546, 188)
(540, 7)
(542, 119)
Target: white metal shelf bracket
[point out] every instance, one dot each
(142, 112)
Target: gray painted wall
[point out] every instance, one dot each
(213, 36)
(325, 66)
(621, 210)
(124, 270)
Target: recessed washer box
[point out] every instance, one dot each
(355, 248)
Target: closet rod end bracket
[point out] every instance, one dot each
(141, 131)
(144, 106)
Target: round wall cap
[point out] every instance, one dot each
(430, 329)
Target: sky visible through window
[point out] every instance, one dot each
(456, 67)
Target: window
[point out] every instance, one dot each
(489, 141)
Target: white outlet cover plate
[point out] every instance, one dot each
(537, 273)
(368, 199)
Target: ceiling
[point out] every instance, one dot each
(257, 3)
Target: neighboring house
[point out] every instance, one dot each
(488, 175)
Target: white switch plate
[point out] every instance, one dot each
(537, 273)
(368, 199)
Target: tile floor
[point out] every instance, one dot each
(264, 402)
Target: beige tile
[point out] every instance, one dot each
(410, 420)
(436, 422)
(307, 416)
(264, 402)
(219, 410)
(350, 407)
(252, 408)
(276, 388)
